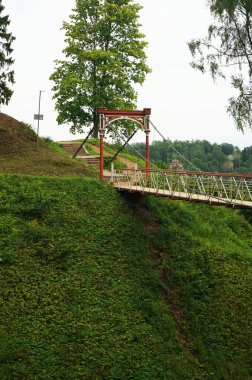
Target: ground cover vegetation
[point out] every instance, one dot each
(18, 152)
(96, 289)
(204, 255)
(78, 296)
(104, 58)
(6, 60)
(227, 52)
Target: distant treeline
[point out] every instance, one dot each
(202, 154)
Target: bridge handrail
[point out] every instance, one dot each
(229, 189)
(187, 172)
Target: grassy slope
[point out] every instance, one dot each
(78, 297)
(206, 256)
(18, 153)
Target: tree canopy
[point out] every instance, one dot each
(227, 52)
(6, 74)
(104, 58)
(203, 155)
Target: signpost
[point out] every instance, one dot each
(38, 117)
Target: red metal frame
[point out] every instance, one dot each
(108, 116)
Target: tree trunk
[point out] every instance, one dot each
(96, 124)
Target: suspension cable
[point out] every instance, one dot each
(122, 147)
(158, 169)
(139, 154)
(175, 150)
(87, 137)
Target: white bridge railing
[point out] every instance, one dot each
(217, 188)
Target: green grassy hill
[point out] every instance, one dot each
(96, 286)
(100, 285)
(18, 153)
(78, 296)
(205, 256)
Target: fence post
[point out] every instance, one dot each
(112, 172)
(101, 133)
(147, 147)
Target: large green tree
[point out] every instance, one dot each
(6, 74)
(227, 52)
(104, 57)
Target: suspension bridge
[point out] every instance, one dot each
(213, 188)
(227, 189)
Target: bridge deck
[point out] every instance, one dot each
(125, 186)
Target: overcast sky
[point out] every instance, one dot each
(186, 105)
